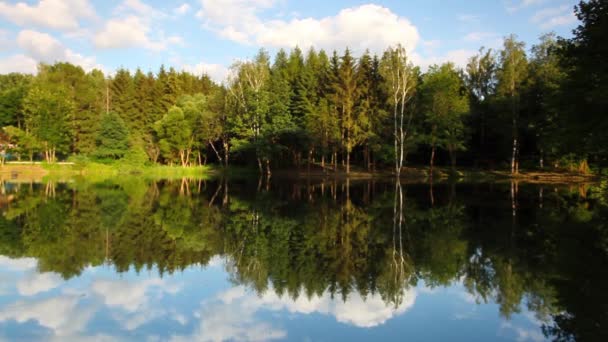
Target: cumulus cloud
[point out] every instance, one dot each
(54, 14)
(131, 296)
(358, 311)
(5, 41)
(60, 314)
(124, 33)
(131, 32)
(522, 334)
(42, 47)
(34, 283)
(216, 72)
(18, 63)
(364, 27)
(554, 16)
(17, 264)
(232, 314)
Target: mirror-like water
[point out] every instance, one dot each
(304, 260)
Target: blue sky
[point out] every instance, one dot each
(209, 35)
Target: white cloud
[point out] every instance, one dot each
(459, 57)
(130, 32)
(232, 314)
(130, 296)
(17, 264)
(479, 36)
(18, 63)
(356, 310)
(140, 8)
(216, 72)
(53, 14)
(43, 47)
(554, 16)
(516, 5)
(181, 10)
(367, 26)
(523, 334)
(34, 283)
(5, 41)
(60, 314)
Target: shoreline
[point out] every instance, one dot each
(25, 171)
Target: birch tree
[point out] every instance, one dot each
(401, 78)
(247, 87)
(512, 73)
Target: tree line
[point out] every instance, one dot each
(542, 107)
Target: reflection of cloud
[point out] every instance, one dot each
(217, 261)
(60, 314)
(35, 283)
(130, 296)
(358, 311)
(19, 264)
(222, 322)
(231, 315)
(523, 334)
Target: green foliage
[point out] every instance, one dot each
(446, 106)
(175, 136)
(582, 92)
(113, 137)
(48, 111)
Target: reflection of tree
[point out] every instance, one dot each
(304, 239)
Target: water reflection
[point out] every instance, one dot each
(218, 260)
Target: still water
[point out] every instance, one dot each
(194, 260)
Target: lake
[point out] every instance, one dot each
(302, 260)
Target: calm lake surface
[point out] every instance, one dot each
(190, 260)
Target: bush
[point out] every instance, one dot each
(80, 161)
(135, 157)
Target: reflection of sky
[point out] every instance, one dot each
(200, 304)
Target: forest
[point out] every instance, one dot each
(542, 107)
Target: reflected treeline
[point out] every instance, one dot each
(537, 246)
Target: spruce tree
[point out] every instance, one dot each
(113, 137)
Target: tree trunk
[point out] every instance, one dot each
(452, 159)
(514, 156)
(216, 152)
(260, 165)
(432, 161)
(347, 162)
(268, 173)
(226, 152)
(310, 152)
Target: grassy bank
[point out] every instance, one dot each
(99, 171)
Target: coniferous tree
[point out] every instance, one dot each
(346, 96)
(113, 137)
